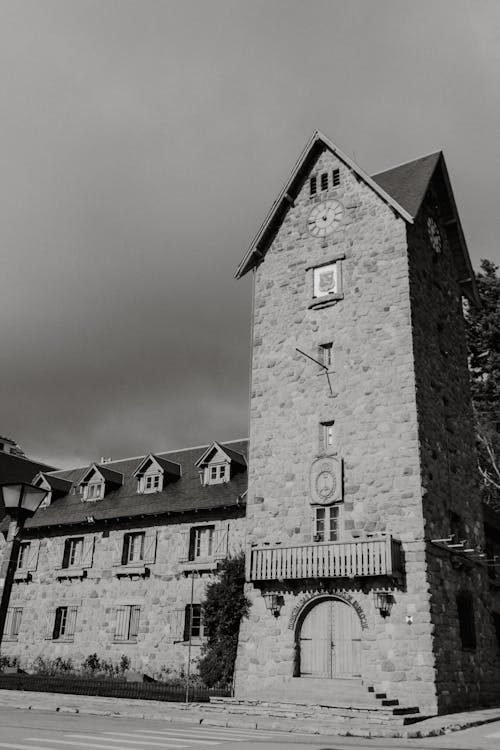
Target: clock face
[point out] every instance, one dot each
(324, 218)
(434, 234)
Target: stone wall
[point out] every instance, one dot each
(451, 501)
(376, 432)
(162, 595)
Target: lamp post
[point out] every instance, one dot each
(20, 500)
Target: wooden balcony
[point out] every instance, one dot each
(361, 558)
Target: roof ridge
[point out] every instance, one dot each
(408, 161)
(144, 455)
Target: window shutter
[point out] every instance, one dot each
(174, 624)
(121, 626)
(150, 546)
(49, 624)
(88, 551)
(33, 554)
(16, 621)
(57, 553)
(221, 542)
(188, 614)
(117, 548)
(184, 549)
(8, 622)
(135, 613)
(71, 622)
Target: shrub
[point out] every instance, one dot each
(8, 661)
(223, 609)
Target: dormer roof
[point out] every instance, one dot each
(56, 484)
(108, 476)
(216, 448)
(169, 468)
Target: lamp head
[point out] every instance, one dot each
(22, 498)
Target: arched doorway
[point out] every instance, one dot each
(329, 641)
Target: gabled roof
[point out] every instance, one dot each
(168, 467)
(56, 484)
(314, 146)
(403, 187)
(408, 182)
(230, 454)
(113, 477)
(186, 495)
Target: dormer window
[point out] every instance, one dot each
(55, 486)
(97, 481)
(154, 472)
(217, 474)
(93, 491)
(218, 464)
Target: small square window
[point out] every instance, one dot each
(312, 186)
(336, 177)
(324, 181)
(325, 280)
(94, 491)
(151, 483)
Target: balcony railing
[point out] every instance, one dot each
(367, 557)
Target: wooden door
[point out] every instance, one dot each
(330, 641)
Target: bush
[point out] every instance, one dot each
(223, 609)
(52, 667)
(8, 661)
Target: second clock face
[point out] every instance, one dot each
(324, 218)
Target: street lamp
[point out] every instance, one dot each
(20, 500)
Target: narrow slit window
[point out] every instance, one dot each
(336, 178)
(325, 354)
(324, 181)
(312, 186)
(328, 435)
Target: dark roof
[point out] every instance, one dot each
(18, 469)
(185, 494)
(408, 183)
(169, 467)
(57, 483)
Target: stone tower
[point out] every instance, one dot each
(362, 468)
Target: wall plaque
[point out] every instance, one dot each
(326, 481)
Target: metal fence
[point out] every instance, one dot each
(112, 688)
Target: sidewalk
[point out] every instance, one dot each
(198, 713)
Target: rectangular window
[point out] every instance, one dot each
(22, 558)
(325, 354)
(73, 550)
(216, 474)
(328, 435)
(12, 623)
(466, 620)
(133, 547)
(152, 483)
(327, 524)
(193, 622)
(213, 472)
(64, 623)
(312, 186)
(94, 491)
(324, 181)
(127, 622)
(336, 177)
(201, 542)
(325, 280)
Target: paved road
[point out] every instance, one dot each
(46, 730)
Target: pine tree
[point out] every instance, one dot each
(223, 609)
(483, 335)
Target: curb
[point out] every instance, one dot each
(267, 723)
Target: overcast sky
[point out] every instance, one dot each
(142, 145)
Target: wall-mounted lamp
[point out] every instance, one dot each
(274, 602)
(384, 601)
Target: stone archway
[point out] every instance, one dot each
(328, 640)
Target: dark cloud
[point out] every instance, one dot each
(142, 145)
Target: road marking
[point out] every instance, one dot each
(207, 730)
(123, 741)
(212, 734)
(69, 742)
(138, 733)
(84, 743)
(14, 746)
